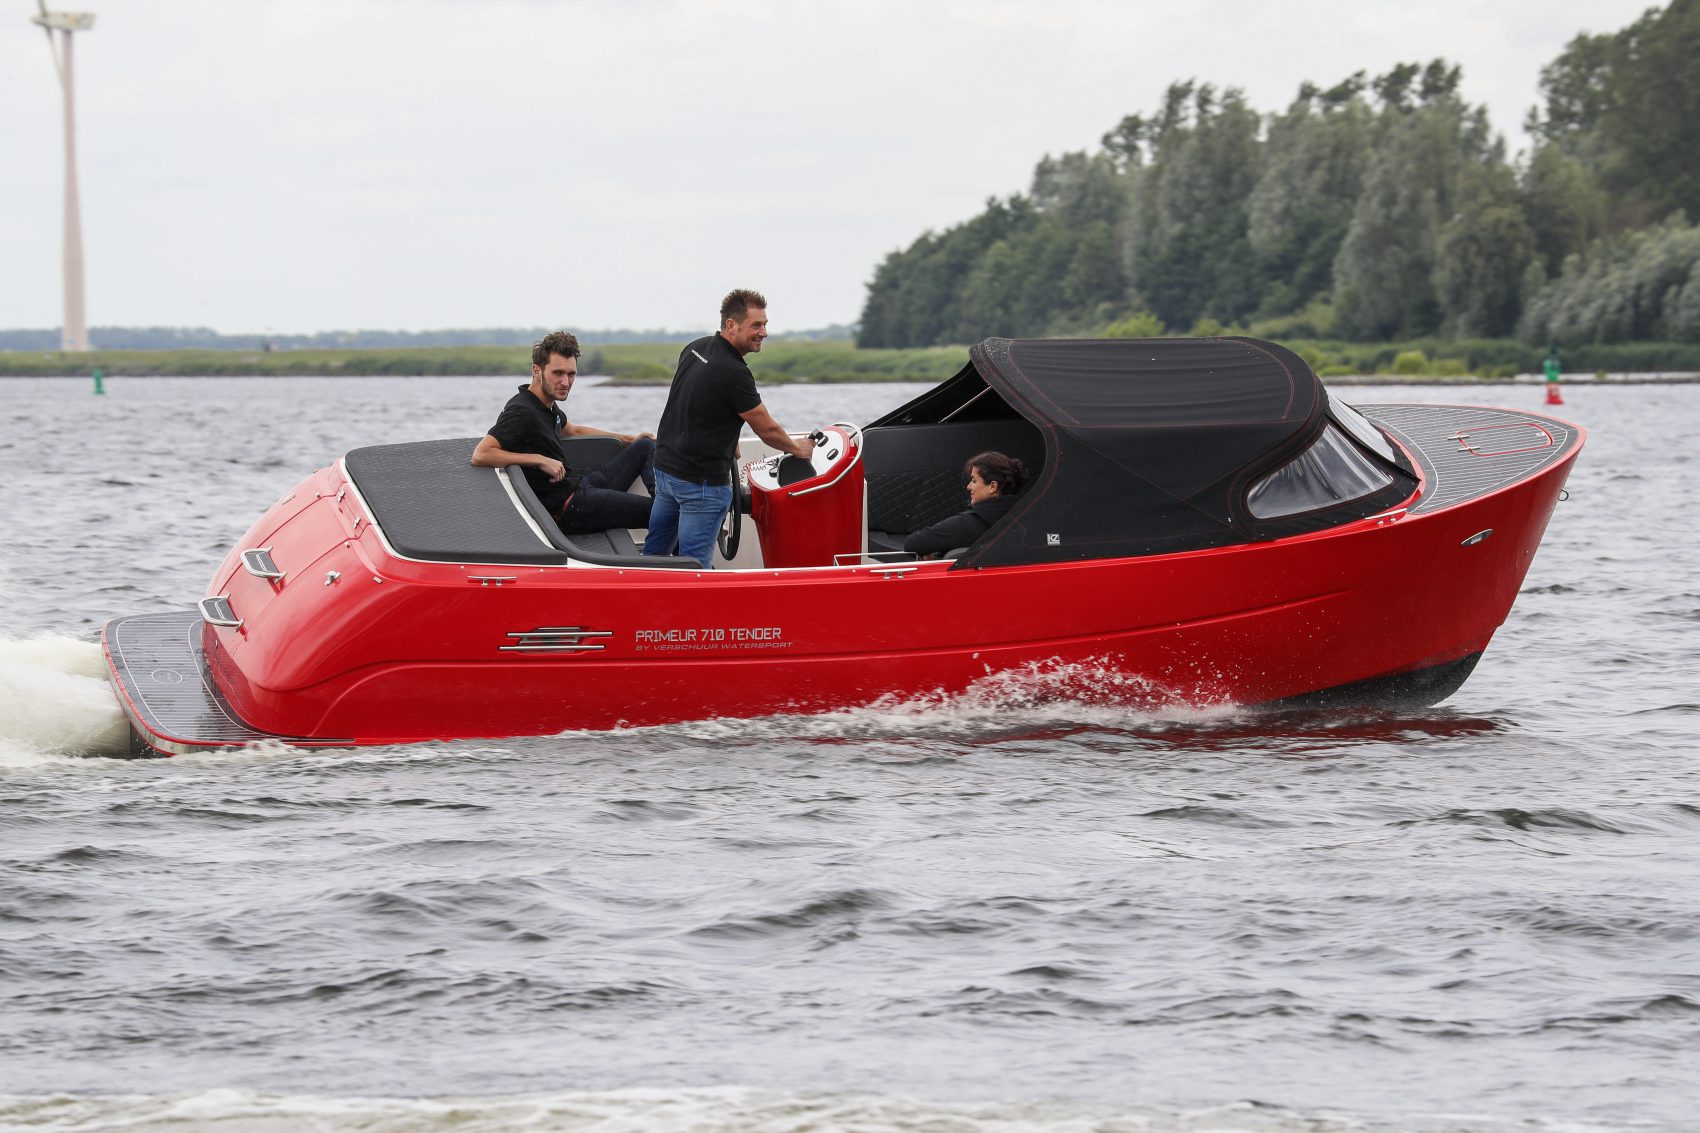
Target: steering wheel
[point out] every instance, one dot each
(732, 527)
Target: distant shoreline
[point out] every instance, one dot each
(1431, 362)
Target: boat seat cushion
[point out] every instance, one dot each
(615, 541)
(885, 540)
(587, 454)
(434, 506)
(914, 472)
(908, 501)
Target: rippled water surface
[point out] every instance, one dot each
(999, 912)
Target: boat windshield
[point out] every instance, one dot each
(1358, 425)
(1331, 471)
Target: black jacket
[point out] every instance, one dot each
(960, 529)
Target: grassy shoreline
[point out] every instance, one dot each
(825, 362)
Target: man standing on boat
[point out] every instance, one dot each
(529, 433)
(712, 397)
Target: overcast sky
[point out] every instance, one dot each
(296, 166)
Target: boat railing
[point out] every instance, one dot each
(874, 558)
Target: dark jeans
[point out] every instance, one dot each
(602, 501)
(636, 459)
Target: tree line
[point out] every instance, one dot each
(1382, 208)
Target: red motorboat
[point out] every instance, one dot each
(1206, 524)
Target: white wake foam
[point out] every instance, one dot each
(1038, 696)
(55, 702)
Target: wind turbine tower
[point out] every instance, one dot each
(74, 334)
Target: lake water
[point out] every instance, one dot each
(998, 914)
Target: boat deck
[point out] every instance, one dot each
(434, 506)
(173, 705)
(1466, 451)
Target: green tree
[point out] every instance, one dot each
(1385, 275)
(1140, 324)
(1627, 287)
(991, 295)
(1080, 188)
(1043, 254)
(1563, 207)
(1379, 207)
(1682, 309)
(1038, 278)
(1094, 277)
(1188, 253)
(1626, 104)
(915, 298)
(1481, 255)
(1313, 171)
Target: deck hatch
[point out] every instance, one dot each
(1504, 439)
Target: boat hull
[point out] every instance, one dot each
(175, 706)
(355, 645)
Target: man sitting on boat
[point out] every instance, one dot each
(529, 433)
(994, 480)
(712, 396)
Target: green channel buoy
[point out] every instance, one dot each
(1553, 369)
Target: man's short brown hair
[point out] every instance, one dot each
(737, 304)
(560, 343)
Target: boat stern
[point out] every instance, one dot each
(160, 674)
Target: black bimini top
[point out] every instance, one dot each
(1150, 445)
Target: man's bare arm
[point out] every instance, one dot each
(774, 435)
(491, 454)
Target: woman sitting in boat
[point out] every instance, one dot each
(994, 481)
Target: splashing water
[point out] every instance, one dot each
(55, 701)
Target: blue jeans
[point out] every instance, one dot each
(686, 518)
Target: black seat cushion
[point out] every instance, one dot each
(432, 504)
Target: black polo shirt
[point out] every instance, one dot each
(527, 425)
(698, 436)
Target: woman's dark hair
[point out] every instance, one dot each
(1008, 473)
